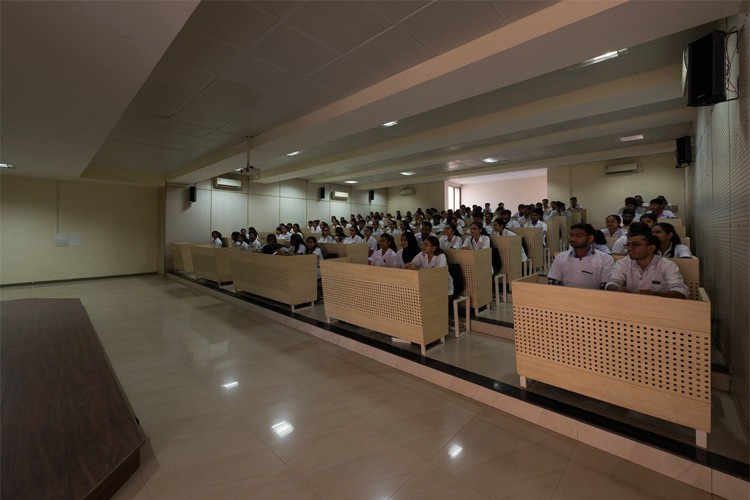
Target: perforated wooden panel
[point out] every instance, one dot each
(534, 238)
(400, 302)
(553, 235)
(509, 248)
(665, 359)
(290, 280)
(476, 268)
(181, 257)
(211, 263)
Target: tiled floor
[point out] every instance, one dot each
(235, 406)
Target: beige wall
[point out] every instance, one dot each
(426, 195)
(118, 226)
(603, 194)
(511, 192)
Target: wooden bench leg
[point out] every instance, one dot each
(523, 381)
(456, 318)
(701, 439)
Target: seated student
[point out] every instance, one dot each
(600, 242)
(325, 235)
(450, 239)
(404, 225)
(372, 242)
(431, 256)
(253, 241)
(272, 247)
(574, 205)
(334, 222)
(613, 229)
(648, 219)
(243, 234)
(386, 254)
(500, 229)
(509, 223)
(339, 234)
(633, 204)
(296, 245)
(477, 239)
(664, 201)
(547, 208)
(582, 266)
(316, 229)
(354, 236)
(312, 248)
(238, 241)
(216, 239)
(284, 233)
(520, 215)
(393, 229)
(296, 229)
(535, 221)
(627, 218)
(377, 230)
(458, 223)
(424, 233)
(642, 271)
(436, 224)
(620, 246)
(670, 245)
(409, 248)
(658, 209)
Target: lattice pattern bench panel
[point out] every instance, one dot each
(659, 358)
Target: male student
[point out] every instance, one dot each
(582, 266)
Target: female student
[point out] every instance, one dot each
(372, 242)
(600, 242)
(649, 220)
(340, 237)
(450, 239)
(385, 255)
(409, 248)
(238, 241)
(430, 257)
(313, 249)
(272, 246)
(296, 245)
(477, 239)
(670, 245)
(216, 239)
(354, 236)
(325, 236)
(613, 229)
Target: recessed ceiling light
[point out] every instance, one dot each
(350, 182)
(293, 153)
(282, 428)
(490, 160)
(7, 165)
(230, 385)
(604, 57)
(407, 173)
(455, 451)
(636, 137)
(389, 124)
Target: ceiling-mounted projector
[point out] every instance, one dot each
(250, 171)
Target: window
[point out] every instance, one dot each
(454, 197)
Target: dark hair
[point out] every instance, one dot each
(638, 229)
(658, 201)
(314, 240)
(217, 233)
(628, 211)
(453, 228)
(391, 242)
(506, 212)
(650, 238)
(235, 235)
(295, 241)
(412, 248)
(674, 240)
(599, 238)
(538, 211)
(482, 230)
(339, 232)
(435, 243)
(499, 221)
(649, 216)
(616, 217)
(630, 200)
(587, 228)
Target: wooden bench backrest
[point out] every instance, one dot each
(509, 248)
(211, 263)
(358, 252)
(289, 280)
(565, 222)
(476, 267)
(182, 259)
(553, 235)
(534, 238)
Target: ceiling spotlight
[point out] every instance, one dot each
(490, 160)
(7, 165)
(293, 153)
(604, 57)
(636, 137)
(389, 124)
(350, 182)
(408, 173)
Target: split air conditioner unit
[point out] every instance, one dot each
(340, 195)
(407, 192)
(225, 183)
(619, 169)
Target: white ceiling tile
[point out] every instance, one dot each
(251, 125)
(278, 8)
(174, 136)
(279, 110)
(601, 72)
(395, 10)
(291, 50)
(514, 10)
(223, 137)
(308, 95)
(344, 77)
(185, 128)
(322, 21)
(445, 25)
(233, 94)
(200, 119)
(205, 104)
(259, 75)
(201, 52)
(153, 108)
(389, 53)
(179, 75)
(237, 23)
(154, 91)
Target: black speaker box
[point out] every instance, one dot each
(683, 151)
(193, 194)
(322, 193)
(371, 195)
(705, 70)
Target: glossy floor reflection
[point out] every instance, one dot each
(235, 406)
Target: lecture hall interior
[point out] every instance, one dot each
(140, 362)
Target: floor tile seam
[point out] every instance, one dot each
(458, 478)
(567, 464)
(410, 478)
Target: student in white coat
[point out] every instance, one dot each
(385, 255)
(477, 239)
(670, 245)
(311, 244)
(372, 242)
(325, 236)
(253, 241)
(216, 239)
(430, 257)
(449, 239)
(354, 236)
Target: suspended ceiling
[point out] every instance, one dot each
(155, 92)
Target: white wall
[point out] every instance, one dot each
(511, 192)
(603, 194)
(118, 226)
(426, 195)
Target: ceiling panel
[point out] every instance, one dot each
(278, 8)
(157, 92)
(220, 108)
(344, 76)
(236, 23)
(511, 11)
(185, 128)
(233, 94)
(292, 51)
(259, 75)
(601, 72)
(201, 52)
(395, 10)
(390, 52)
(321, 20)
(200, 119)
(446, 24)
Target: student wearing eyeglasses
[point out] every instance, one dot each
(582, 266)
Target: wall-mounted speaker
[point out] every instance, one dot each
(193, 194)
(683, 151)
(322, 193)
(705, 70)
(371, 196)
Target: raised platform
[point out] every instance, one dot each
(67, 428)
